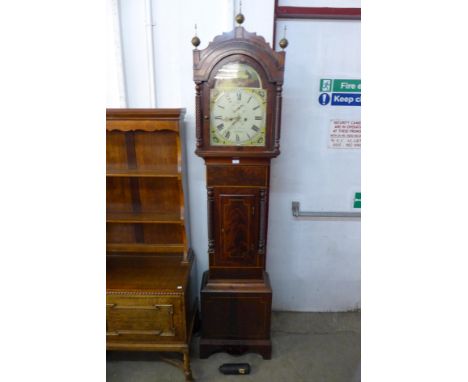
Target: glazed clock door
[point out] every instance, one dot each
(237, 223)
(237, 110)
(238, 107)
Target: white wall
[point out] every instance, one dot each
(314, 266)
(115, 81)
(323, 255)
(133, 24)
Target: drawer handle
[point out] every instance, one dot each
(143, 307)
(147, 332)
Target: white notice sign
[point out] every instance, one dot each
(344, 134)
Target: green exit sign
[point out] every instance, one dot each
(340, 85)
(357, 200)
(347, 86)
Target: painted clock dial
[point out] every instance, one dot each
(237, 107)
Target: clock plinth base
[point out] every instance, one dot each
(236, 316)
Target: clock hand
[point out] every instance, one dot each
(224, 119)
(237, 120)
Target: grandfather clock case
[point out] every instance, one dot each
(238, 79)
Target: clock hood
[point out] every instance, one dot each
(238, 41)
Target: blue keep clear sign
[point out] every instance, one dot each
(340, 92)
(346, 99)
(324, 99)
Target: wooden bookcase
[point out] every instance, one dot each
(149, 260)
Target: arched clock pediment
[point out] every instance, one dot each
(238, 41)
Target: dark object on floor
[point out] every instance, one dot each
(235, 368)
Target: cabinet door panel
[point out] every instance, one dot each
(237, 223)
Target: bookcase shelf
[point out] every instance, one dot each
(145, 198)
(156, 172)
(144, 217)
(146, 248)
(149, 260)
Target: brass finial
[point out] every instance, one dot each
(240, 17)
(284, 41)
(195, 40)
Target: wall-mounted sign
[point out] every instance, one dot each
(345, 99)
(324, 99)
(344, 134)
(352, 86)
(357, 200)
(341, 92)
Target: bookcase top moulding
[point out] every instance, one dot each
(142, 119)
(171, 114)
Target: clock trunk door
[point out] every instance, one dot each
(237, 224)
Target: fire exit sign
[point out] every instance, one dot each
(338, 85)
(357, 200)
(340, 92)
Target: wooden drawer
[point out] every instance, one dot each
(222, 175)
(145, 318)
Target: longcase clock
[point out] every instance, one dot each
(238, 81)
